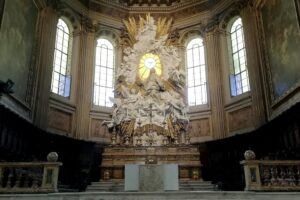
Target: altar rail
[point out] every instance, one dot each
(277, 175)
(28, 177)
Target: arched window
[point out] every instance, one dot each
(104, 70)
(61, 79)
(196, 73)
(239, 80)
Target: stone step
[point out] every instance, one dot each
(107, 184)
(118, 186)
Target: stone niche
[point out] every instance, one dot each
(114, 159)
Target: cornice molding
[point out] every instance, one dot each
(180, 5)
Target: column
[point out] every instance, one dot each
(85, 80)
(248, 14)
(47, 21)
(214, 71)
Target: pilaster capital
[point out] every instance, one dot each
(88, 25)
(213, 28)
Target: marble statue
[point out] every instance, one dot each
(153, 109)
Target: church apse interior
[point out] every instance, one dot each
(109, 83)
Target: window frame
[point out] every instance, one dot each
(236, 67)
(63, 73)
(200, 67)
(98, 85)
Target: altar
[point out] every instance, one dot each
(151, 177)
(149, 118)
(115, 159)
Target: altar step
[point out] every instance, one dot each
(195, 185)
(106, 186)
(118, 186)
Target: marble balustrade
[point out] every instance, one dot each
(272, 175)
(29, 177)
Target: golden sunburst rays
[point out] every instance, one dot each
(132, 30)
(163, 26)
(133, 26)
(144, 71)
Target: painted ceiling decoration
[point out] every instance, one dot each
(150, 2)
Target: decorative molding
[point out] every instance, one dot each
(274, 103)
(297, 5)
(32, 68)
(72, 17)
(190, 33)
(98, 131)
(88, 25)
(176, 6)
(111, 34)
(240, 119)
(201, 127)
(17, 106)
(2, 5)
(60, 120)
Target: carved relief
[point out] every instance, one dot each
(199, 128)
(98, 130)
(60, 120)
(240, 119)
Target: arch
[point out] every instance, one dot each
(71, 18)
(227, 17)
(190, 34)
(110, 34)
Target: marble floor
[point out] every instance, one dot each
(201, 195)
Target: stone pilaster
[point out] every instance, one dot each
(214, 82)
(248, 15)
(182, 65)
(85, 80)
(47, 21)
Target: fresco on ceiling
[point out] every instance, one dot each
(282, 35)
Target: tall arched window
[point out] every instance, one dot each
(104, 70)
(61, 79)
(196, 73)
(239, 81)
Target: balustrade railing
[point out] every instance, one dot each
(29, 177)
(272, 175)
